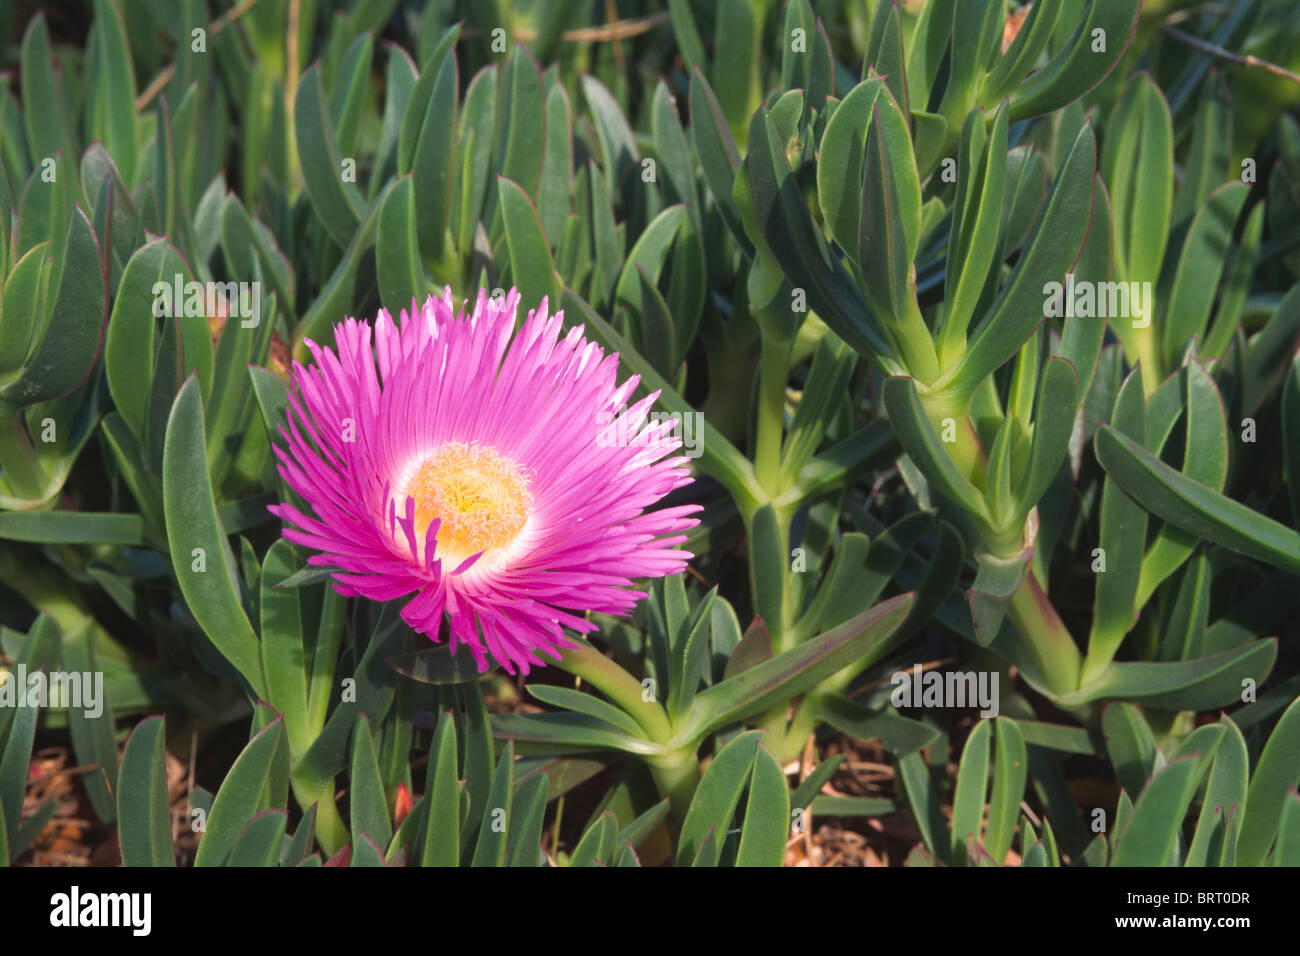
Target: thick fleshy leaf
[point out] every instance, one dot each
(94, 742)
(718, 155)
(72, 527)
(598, 844)
(766, 826)
(335, 297)
(531, 267)
(129, 346)
(583, 703)
(839, 162)
(918, 786)
(337, 201)
(996, 580)
(366, 796)
(842, 593)
(1276, 775)
(977, 221)
(1236, 288)
(767, 564)
(977, 30)
(1054, 414)
(636, 289)
(413, 117)
(672, 148)
(397, 249)
(898, 734)
(1149, 835)
(617, 143)
(1090, 53)
(143, 819)
(431, 162)
(923, 445)
(1201, 262)
(1130, 744)
(524, 843)
(1215, 839)
(1058, 238)
(70, 341)
(786, 226)
(243, 794)
(881, 245)
(1194, 507)
(812, 784)
(754, 647)
(296, 850)
(735, 75)
(555, 191)
(566, 732)
(491, 847)
(1211, 681)
(15, 760)
(283, 652)
(114, 89)
(1287, 850)
(1010, 771)
(1209, 156)
(258, 844)
(1122, 538)
(640, 829)
(791, 673)
(718, 795)
(884, 53)
(201, 555)
(1138, 165)
(441, 841)
(1022, 55)
(26, 292)
(972, 784)
(348, 89)
(47, 125)
(437, 665)
(690, 656)
(687, 34)
(365, 851)
(1205, 459)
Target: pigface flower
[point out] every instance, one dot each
(498, 476)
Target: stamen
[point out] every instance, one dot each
(480, 497)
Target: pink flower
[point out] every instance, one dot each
(476, 467)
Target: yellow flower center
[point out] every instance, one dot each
(480, 497)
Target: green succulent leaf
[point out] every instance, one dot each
(247, 790)
(1192, 506)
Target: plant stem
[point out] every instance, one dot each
(1045, 635)
(774, 369)
(18, 459)
(1147, 354)
(917, 343)
(785, 738)
(331, 832)
(965, 451)
(619, 686)
(676, 775)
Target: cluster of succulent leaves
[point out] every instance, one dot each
(839, 259)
